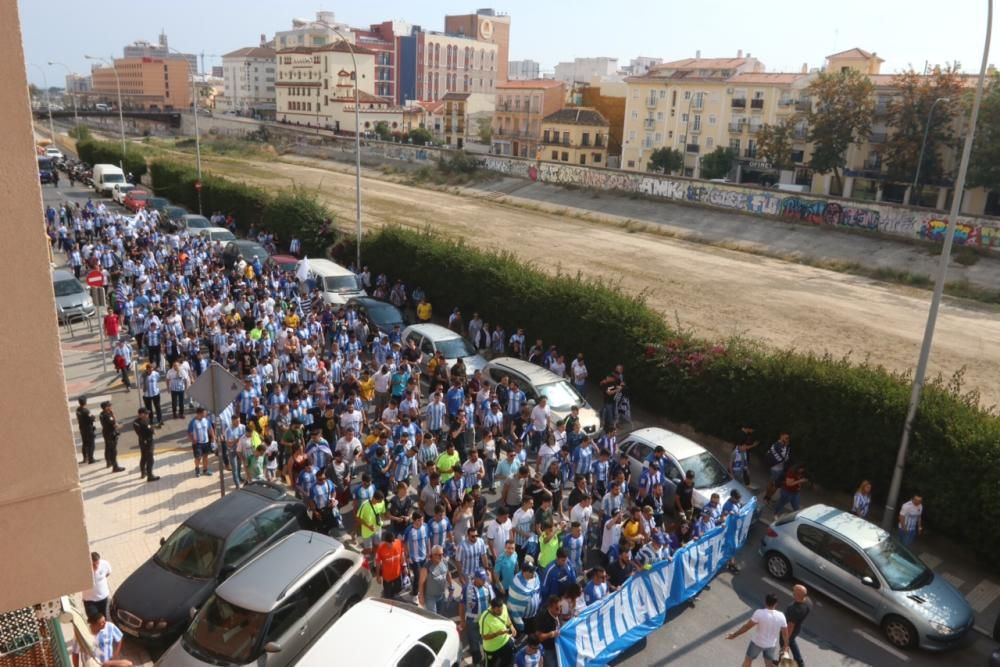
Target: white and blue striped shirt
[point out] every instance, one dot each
(574, 547)
(524, 598)
(152, 384)
(470, 556)
(440, 530)
(418, 543)
(435, 415)
(199, 428)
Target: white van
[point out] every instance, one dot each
(337, 283)
(106, 176)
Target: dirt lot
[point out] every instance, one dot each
(710, 291)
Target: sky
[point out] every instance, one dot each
(783, 34)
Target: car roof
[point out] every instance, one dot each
(676, 445)
(369, 301)
(206, 230)
(221, 517)
(535, 373)
(276, 572)
(62, 274)
(400, 624)
(862, 533)
(327, 268)
(194, 216)
(433, 331)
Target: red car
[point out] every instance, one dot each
(285, 262)
(135, 200)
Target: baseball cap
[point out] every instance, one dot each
(480, 574)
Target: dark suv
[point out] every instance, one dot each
(154, 604)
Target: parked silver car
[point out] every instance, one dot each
(870, 572)
(681, 455)
(432, 338)
(73, 300)
(536, 381)
(273, 608)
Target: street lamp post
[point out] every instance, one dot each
(889, 518)
(48, 102)
(357, 147)
(923, 146)
(76, 116)
(121, 116)
(197, 131)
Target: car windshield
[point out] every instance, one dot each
(44, 164)
(561, 395)
(67, 287)
(198, 223)
(114, 178)
(175, 212)
(336, 283)
(453, 348)
(900, 567)
(384, 313)
(224, 631)
(138, 196)
(190, 553)
(708, 472)
(157, 202)
(224, 235)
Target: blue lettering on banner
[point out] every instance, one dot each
(607, 628)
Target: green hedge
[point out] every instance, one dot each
(93, 152)
(292, 211)
(845, 419)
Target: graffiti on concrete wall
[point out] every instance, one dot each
(864, 216)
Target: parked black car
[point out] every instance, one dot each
(381, 316)
(154, 604)
(245, 249)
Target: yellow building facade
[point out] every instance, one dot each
(575, 136)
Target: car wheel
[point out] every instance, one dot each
(778, 566)
(899, 632)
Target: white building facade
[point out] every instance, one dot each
(249, 75)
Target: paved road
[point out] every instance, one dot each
(127, 516)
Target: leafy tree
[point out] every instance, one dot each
(665, 160)
(907, 116)
(718, 163)
(984, 164)
(774, 143)
(421, 136)
(841, 115)
(485, 130)
(383, 131)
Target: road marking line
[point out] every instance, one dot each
(983, 595)
(882, 645)
(930, 560)
(953, 580)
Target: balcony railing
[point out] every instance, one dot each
(693, 148)
(649, 124)
(599, 142)
(877, 137)
(800, 134)
(697, 104)
(739, 103)
(786, 102)
(755, 127)
(736, 127)
(757, 104)
(651, 102)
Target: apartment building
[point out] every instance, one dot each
(577, 135)
(487, 26)
(309, 33)
(146, 83)
(521, 70)
(586, 70)
(520, 108)
(248, 76)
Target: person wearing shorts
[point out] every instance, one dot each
(201, 433)
(769, 626)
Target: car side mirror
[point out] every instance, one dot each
(226, 571)
(163, 541)
(272, 647)
(869, 582)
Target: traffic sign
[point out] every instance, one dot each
(95, 279)
(197, 185)
(215, 389)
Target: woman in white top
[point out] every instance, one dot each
(862, 499)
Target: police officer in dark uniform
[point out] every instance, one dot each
(109, 429)
(145, 431)
(88, 434)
